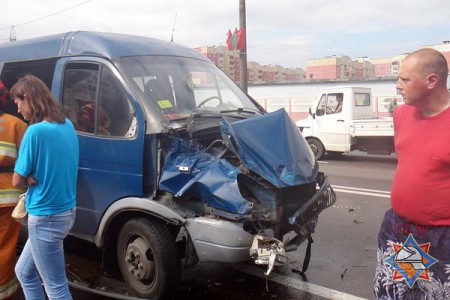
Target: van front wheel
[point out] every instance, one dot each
(148, 258)
(316, 147)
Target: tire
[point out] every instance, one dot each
(148, 258)
(317, 148)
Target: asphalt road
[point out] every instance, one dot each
(345, 242)
(343, 253)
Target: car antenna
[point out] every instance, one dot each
(173, 28)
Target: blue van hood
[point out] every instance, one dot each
(272, 146)
(269, 145)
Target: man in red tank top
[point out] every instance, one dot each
(414, 239)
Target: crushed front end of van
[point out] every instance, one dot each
(246, 189)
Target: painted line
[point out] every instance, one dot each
(296, 283)
(359, 191)
(362, 193)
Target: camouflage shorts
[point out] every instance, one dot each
(413, 260)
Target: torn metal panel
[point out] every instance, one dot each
(190, 170)
(271, 146)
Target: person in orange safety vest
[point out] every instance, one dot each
(12, 130)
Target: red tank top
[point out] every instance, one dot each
(421, 186)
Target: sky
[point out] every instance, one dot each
(279, 32)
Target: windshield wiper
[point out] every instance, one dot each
(240, 110)
(202, 113)
(205, 113)
(219, 114)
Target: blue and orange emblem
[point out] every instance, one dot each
(411, 261)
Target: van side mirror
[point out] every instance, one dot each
(313, 115)
(320, 111)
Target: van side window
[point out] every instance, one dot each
(115, 111)
(330, 104)
(79, 95)
(12, 71)
(43, 69)
(334, 103)
(96, 106)
(362, 99)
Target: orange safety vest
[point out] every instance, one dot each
(12, 130)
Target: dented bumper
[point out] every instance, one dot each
(324, 197)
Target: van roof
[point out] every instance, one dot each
(86, 43)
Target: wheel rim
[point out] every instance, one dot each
(314, 148)
(138, 262)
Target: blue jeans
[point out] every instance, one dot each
(43, 257)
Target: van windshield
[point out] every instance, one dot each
(178, 86)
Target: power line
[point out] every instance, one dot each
(47, 16)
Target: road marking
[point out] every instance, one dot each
(360, 191)
(296, 283)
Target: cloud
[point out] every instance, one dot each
(285, 32)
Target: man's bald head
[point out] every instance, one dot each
(429, 61)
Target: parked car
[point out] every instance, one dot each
(177, 163)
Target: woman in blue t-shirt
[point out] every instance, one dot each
(47, 164)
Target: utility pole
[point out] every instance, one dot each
(243, 52)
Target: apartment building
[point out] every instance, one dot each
(327, 68)
(344, 68)
(229, 62)
(338, 68)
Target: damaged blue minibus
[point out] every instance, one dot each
(177, 164)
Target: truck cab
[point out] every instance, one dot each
(341, 120)
(177, 164)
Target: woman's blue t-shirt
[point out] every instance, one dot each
(50, 153)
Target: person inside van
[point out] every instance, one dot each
(184, 92)
(172, 92)
(86, 120)
(339, 100)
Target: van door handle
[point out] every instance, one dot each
(340, 120)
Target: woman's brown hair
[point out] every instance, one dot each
(42, 103)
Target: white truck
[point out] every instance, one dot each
(342, 120)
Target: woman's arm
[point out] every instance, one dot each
(20, 181)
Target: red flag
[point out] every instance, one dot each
(240, 45)
(234, 39)
(229, 37)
